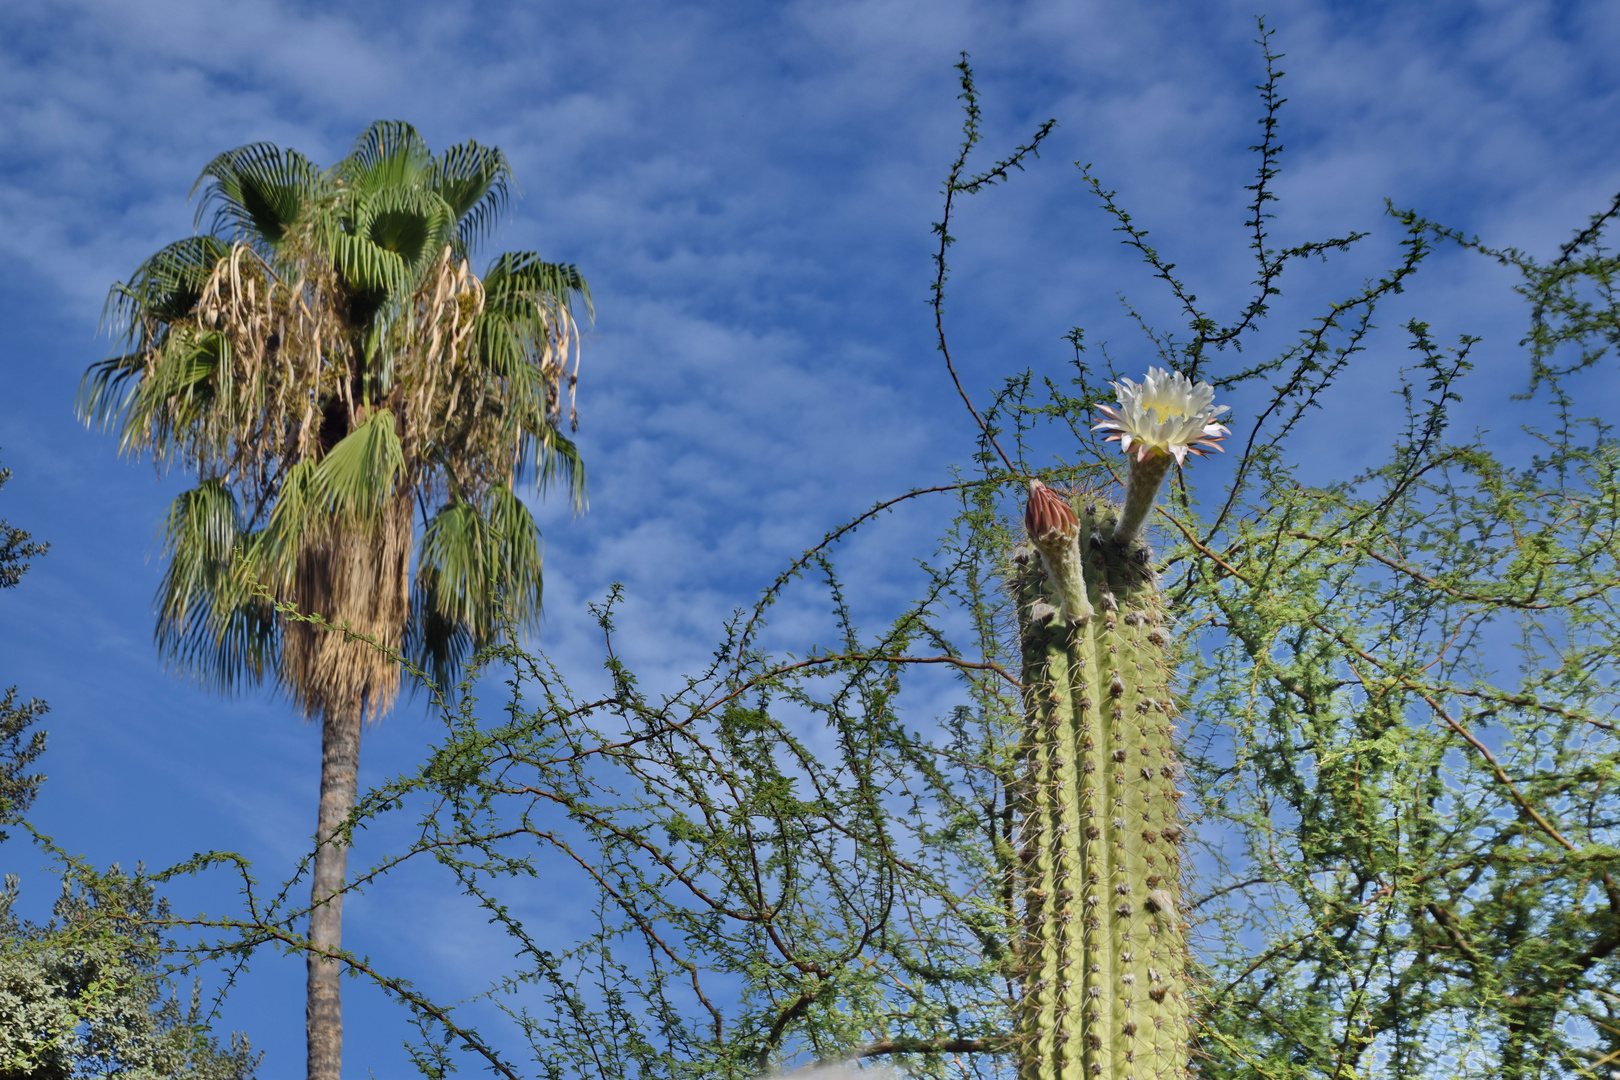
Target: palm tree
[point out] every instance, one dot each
(326, 362)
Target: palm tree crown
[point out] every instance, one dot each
(327, 362)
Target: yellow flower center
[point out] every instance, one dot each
(1164, 410)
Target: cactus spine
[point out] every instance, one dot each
(1103, 955)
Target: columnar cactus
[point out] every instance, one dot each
(1103, 956)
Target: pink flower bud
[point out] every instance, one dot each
(1048, 516)
(1054, 529)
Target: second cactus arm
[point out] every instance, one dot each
(1104, 956)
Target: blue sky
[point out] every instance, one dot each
(749, 189)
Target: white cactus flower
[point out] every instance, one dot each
(1164, 412)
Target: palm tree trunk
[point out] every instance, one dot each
(340, 766)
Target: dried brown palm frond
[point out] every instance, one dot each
(360, 570)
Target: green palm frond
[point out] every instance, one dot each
(200, 535)
(357, 478)
(521, 340)
(388, 155)
(160, 402)
(367, 267)
(354, 484)
(508, 339)
(235, 649)
(413, 223)
(384, 240)
(477, 566)
(555, 460)
(450, 581)
(274, 549)
(475, 182)
(522, 276)
(166, 287)
(516, 558)
(406, 231)
(105, 390)
(171, 406)
(210, 623)
(161, 385)
(454, 563)
(258, 190)
(437, 645)
(504, 345)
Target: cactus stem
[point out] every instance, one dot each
(1082, 752)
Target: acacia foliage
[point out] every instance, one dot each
(86, 993)
(19, 747)
(17, 547)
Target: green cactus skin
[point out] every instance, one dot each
(1103, 955)
(1141, 488)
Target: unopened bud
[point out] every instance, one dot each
(1054, 529)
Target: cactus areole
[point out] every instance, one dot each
(1103, 955)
